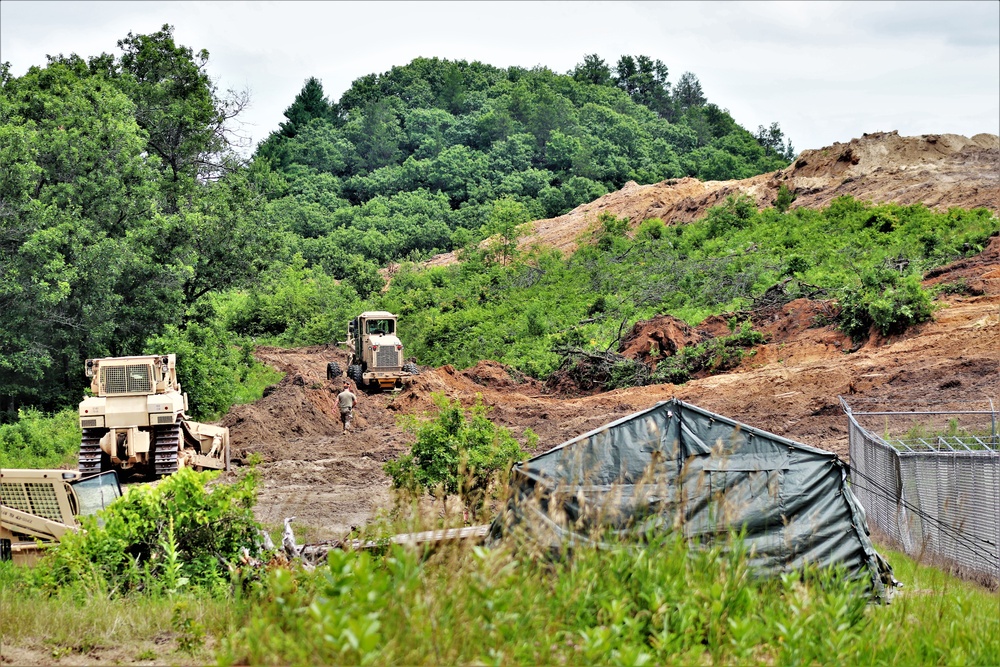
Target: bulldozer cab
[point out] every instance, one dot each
(133, 376)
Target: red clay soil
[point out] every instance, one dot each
(662, 336)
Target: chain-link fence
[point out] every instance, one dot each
(930, 481)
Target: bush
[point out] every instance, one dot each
(885, 301)
(37, 440)
(784, 199)
(458, 451)
(159, 539)
(735, 213)
(652, 229)
(609, 229)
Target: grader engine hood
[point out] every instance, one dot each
(385, 339)
(386, 352)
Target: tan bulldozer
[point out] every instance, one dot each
(135, 421)
(38, 507)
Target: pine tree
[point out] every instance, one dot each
(310, 103)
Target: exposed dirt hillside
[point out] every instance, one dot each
(790, 386)
(939, 170)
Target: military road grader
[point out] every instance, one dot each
(135, 421)
(377, 359)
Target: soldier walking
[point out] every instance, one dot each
(346, 400)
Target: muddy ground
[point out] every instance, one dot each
(789, 386)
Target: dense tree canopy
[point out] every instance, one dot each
(467, 134)
(110, 225)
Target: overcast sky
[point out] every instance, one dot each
(825, 71)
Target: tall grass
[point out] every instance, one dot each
(663, 604)
(77, 626)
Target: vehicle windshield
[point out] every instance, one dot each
(381, 326)
(97, 492)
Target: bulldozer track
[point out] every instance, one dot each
(89, 459)
(166, 445)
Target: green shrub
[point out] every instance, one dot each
(886, 301)
(535, 320)
(159, 539)
(299, 305)
(37, 440)
(458, 451)
(627, 373)
(784, 199)
(652, 229)
(610, 228)
(735, 213)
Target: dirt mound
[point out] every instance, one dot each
(800, 324)
(939, 170)
(975, 275)
(328, 480)
(664, 335)
(295, 408)
(500, 376)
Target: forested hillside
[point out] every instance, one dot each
(128, 218)
(412, 161)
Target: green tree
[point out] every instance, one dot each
(178, 106)
(308, 105)
(377, 135)
(226, 238)
(688, 92)
(773, 139)
(74, 186)
(593, 70)
(645, 81)
(503, 229)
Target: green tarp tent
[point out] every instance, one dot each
(676, 466)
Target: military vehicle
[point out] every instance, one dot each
(40, 506)
(377, 359)
(135, 421)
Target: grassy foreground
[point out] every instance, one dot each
(661, 605)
